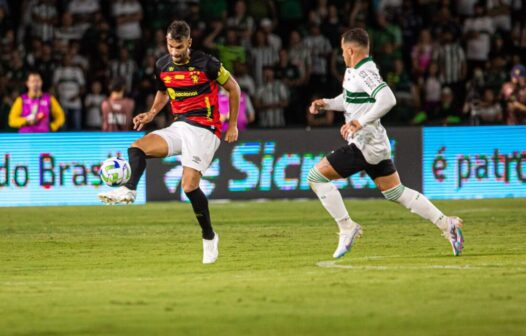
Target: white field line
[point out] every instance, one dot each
(333, 264)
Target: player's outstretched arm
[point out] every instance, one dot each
(334, 104)
(161, 98)
(234, 93)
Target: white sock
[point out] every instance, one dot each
(332, 201)
(418, 204)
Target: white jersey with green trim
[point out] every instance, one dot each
(361, 84)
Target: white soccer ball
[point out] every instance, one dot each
(115, 171)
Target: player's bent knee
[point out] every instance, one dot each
(189, 187)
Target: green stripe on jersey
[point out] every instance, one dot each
(378, 88)
(360, 100)
(358, 97)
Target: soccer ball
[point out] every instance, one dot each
(115, 171)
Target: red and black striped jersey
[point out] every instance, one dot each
(193, 88)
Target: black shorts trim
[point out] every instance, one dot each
(349, 160)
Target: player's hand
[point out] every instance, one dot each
(316, 106)
(350, 128)
(355, 126)
(231, 134)
(142, 119)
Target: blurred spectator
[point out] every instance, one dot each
(405, 92)
(500, 13)
(158, 48)
(46, 66)
(241, 21)
(35, 111)
(92, 103)
(128, 15)
(243, 78)
(514, 95)
(448, 112)
(230, 50)
(124, 67)
(422, 53)
(271, 99)
(67, 31)
(477, 32)
(359, 13)
(82, 12)
(117, 110)
(289, 75)
(451, 62)
(273, 40)
(262, 55)
(432, 89)
(484, 111)
(198, 24)
(332, 27)
(44, 16)
(246, 113)
(69, 83)
(495, 74)
(5, 22)
(299, 55)
(16, 72)
(320, 50)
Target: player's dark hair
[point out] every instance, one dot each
(178, 30)
(358, 36)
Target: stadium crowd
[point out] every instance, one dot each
(448, 62)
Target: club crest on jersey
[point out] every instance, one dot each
(195, 76)
(171, 69)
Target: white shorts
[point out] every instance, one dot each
(196, 145)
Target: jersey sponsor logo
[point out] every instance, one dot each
(179, 77)
(173, 94)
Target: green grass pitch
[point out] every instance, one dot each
(136, 270)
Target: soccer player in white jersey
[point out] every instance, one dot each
(365, 99)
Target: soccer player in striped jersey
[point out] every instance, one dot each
(189, 80)
(365, 99)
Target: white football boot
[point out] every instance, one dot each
(454, 235)
(210, 249)
(347, 239)
(121, 195)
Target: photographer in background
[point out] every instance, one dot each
(514, 95)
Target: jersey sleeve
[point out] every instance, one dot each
(371, 82)
(159, 84)
(58, 115)
(15, 115)
(216, 71)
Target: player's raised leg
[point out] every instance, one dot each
(395, 191)
(149, 146)
(320, 182)
(190, 184)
